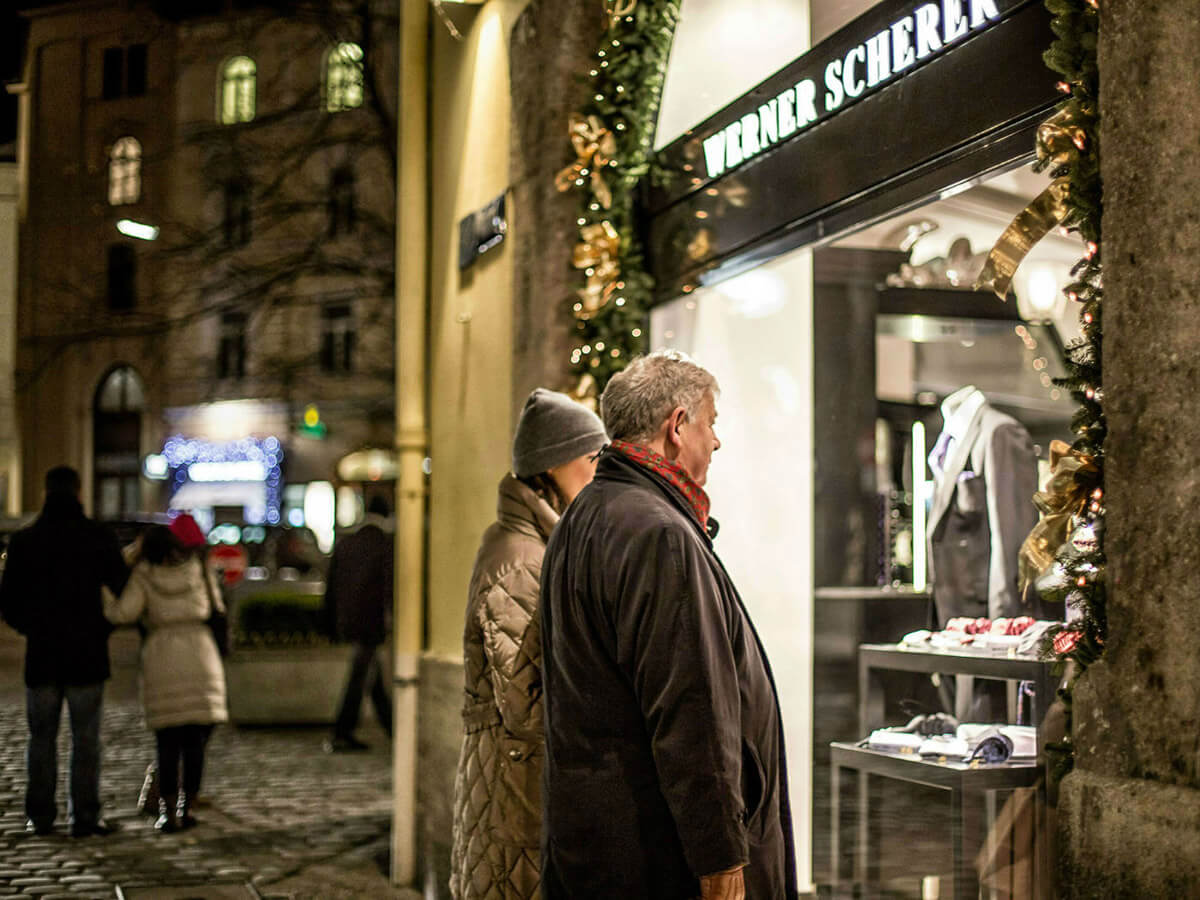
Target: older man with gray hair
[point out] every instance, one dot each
(664, 767)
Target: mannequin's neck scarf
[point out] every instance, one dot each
(675, 474)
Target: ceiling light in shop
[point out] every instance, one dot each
(755, 294)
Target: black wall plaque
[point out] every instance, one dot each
(480, 232)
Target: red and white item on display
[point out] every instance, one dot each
(1021, 633)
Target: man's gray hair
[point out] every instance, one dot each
(638, 399)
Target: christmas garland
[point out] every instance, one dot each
(1078, 578)
(1063, 557)
(611, 137)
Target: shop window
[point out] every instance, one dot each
(124, 72)
(341, 202)
(337, 339)
(125, 172)
(116, 438)
(238, 86)
(344, 78)
(238, 216)
(122, 277)
(231, 348)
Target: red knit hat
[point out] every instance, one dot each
(187, 532)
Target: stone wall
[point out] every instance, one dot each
(1131, 810)
(551, 44)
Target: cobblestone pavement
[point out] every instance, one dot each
(280, 818)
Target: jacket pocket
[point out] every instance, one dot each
(515, 813)
(754, 784)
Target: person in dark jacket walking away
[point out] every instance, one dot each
(358, 597)
(51, 594)
(665, 772)
(498, 788)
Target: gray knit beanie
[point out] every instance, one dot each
(554, 429)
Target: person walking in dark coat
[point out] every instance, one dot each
(665, 774)
(51, 594)
(358, 595)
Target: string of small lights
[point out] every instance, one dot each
(611, 137)
(1080, 562)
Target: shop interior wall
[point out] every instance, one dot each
(755, 333)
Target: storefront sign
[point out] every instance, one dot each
(865, 67)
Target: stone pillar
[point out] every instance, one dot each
(552, 46)
(1130, 811)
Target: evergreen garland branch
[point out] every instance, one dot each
(625, 81)
(1081, 583)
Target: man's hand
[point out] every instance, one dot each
(727, 885)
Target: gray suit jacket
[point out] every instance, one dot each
(982, 511)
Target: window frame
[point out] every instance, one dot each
(231, 344)
(237, 96)
(125, 171)
(339, 338)
(121, 277)
(343, 59)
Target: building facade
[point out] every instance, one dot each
(822, 268)
(208, 254)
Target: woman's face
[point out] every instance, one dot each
(571, 477)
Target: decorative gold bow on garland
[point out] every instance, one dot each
(1057, 141)
(1073, 478)
(597, 254)
(595, 147)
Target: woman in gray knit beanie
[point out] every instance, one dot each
(497, 793)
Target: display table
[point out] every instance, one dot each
(968, 784)
(995, 664)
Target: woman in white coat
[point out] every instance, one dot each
(172, 594)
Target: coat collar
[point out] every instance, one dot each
(618, 467)
(963, 411)
(520, 508)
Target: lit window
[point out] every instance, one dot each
(125, 172)
(237, 90)
(344, 78)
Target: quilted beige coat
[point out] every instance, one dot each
(183, 680)
(498, 789)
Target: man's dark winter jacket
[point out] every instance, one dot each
(664, 747)
(358, 593)
(51, 593)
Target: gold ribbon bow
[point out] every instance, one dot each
(1058, 140)
(595, 147)
(1032, 224)
(1073, 477)
(598, 251)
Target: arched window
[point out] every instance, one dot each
(237, 90)
(116, 442)
(344, 78)
(125, 172)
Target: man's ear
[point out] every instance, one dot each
(677, 418)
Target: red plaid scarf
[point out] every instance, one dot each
(676, 475)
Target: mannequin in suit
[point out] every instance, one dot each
(985, 474)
